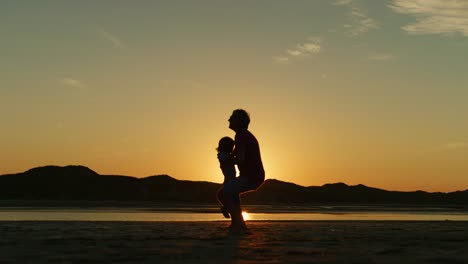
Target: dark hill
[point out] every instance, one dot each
(164, 188)
(68, 183)
(81, 183)
(60, 172)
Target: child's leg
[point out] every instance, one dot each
(221, 200)
(220, 196)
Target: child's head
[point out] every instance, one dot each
(226, 144)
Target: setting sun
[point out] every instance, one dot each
(245, 215)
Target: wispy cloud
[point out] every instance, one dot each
(343, 2)
(72, 83)
(447, 147)
(453, 146)
(359, 22)
(434, 16)
(306, 49)
(281, 59)
(381, 57)
(112, 38)
(195, 84)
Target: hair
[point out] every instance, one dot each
(226, 144)
(244, 117)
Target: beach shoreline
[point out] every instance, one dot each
(210, 242)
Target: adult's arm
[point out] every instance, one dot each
(240, 154)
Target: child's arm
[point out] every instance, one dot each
(239, 157)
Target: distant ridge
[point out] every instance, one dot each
(81, 183)
(67, 171)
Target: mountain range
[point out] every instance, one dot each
(79, 183)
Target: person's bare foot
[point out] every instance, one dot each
(225, 212)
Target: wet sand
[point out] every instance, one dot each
(210, 242)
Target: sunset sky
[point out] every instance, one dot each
(370, 92)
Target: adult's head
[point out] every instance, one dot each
(239, 120)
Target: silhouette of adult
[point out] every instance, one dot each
(249, 162)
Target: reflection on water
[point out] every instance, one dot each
(211, 214)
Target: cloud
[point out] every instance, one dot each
(72, 83)
(453, 146)
(112, 38)
(447, 147)
(359, 22)
(434, 16)
(381, 57)
(306, 49)
(343, 2)
(195, 84)
(282, 59)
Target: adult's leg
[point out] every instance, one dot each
(232, 191)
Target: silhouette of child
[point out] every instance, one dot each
(226, 161)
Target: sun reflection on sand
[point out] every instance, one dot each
(245, 215)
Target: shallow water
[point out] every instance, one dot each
(174, 214)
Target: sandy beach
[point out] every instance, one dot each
(210, 242)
